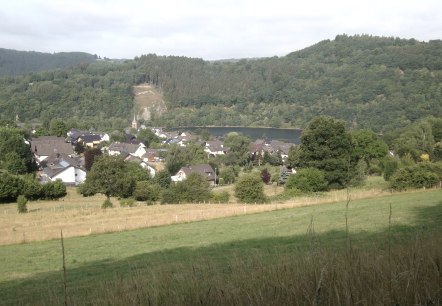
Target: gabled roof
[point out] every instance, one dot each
(57, 163)
(215, 146)
(47, 145)
(203, 169)
(124, 147)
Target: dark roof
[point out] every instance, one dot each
(47, 145)
(74, 133)
(87, 138)
(204, 169)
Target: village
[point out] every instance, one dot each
(63, 158)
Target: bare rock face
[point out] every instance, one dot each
(148, 100)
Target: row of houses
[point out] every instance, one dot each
(58, 160)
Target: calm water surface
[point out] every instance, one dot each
(288, 135)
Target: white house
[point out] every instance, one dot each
(203, 169)
(66, 168)
(125, 149)
(214, 148)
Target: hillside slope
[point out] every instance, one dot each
(13, 62)
(371, 82)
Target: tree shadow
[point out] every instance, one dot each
(84, 279)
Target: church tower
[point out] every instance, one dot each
(134, 122)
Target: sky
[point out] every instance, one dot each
(208, 29)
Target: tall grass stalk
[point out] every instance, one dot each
(65, 287)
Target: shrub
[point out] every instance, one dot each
(31, 188)
(54, 190)
(86, 189)
(21, 204)
(194, 189)
(107, 204)
(220, 197)
(265, 176)
(128, 202)
(170, 195)
(250, 189)
(417, 176)
(390, 165)
(147, 191)
(163, 178)
(307, 180)
(10, 186)
(227, 175)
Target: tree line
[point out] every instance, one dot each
(13, 62)
(379, 83)
(330, 156)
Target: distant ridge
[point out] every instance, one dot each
(380, 83)
(13, 62)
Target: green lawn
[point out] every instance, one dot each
(31, 273)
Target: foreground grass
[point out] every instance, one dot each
(275, 257)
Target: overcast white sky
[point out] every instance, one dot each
(209, 29)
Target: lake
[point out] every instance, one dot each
(287, 135)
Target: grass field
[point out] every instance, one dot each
(79, 216)
(278, 257)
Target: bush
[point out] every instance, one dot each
(21, 204)
(128, 202)
(85, 189)
(227, 175)
(250, 189)
(147, 191)
(390, 165)
(194, 189)
(417, 176)
(54, 190)
(307, 180)
(10, 186)
(107, 204)
(162, 178)
(220, 197)
(170, 195)
(265, 176)
(31, 188)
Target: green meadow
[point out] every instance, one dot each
(385, 250)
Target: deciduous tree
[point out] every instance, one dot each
(327, 145)
(110, 177)
(250, 189)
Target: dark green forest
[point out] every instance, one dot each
(13, 62)
(371, 82)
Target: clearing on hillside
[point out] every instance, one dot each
(148, 101)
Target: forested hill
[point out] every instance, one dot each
(13, 62)
(374, 82)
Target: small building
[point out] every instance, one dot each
(44, 146)
(69, 169)
(90, 140)
(124, 149)
(203, 169)
(214, 148)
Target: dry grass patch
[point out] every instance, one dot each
(80, 216)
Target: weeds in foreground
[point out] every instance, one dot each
(366, 277)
